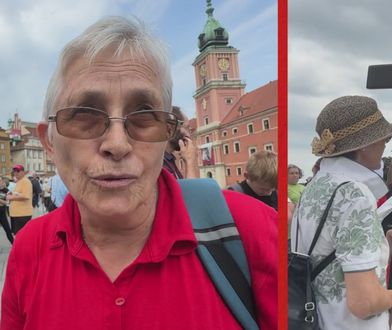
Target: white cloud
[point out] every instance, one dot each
(331, 45)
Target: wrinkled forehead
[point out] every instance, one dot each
(82, 75)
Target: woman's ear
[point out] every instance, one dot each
(45, 138)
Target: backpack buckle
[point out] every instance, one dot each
(309, 306)
(309, 319)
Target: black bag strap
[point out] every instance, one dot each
(323, 219)
(329, 258)
(321, 265)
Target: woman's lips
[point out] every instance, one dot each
(113, 181)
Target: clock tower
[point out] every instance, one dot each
(218, 88)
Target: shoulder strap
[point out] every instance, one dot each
(324, 218)
(220, 247)
(329, 258)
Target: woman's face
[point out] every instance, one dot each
(293, 175)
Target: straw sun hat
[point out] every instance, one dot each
(349, 123)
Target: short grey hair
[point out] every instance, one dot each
(129, 35)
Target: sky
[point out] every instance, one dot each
(331, 43)
(33, 33)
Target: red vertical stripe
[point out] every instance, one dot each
(282, 152)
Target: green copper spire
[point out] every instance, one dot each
(213, 34)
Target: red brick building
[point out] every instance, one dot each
(230, 124)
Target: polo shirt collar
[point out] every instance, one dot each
(171, 232)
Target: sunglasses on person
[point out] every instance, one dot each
(89, 123)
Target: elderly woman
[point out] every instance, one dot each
(120, 253)
(350, 291)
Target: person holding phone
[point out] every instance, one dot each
(182, 146)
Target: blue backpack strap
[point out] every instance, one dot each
(220, 247)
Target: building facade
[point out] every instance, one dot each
(26, 148)
(5, 153)
(230, 124)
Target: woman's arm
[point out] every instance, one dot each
(365, 296)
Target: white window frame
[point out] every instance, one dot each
(250, 150)
(253, 128)
(269, 126)
(234, 130)
(239, 147)
(239, 170)
(228, 171)
(269, 146)
(226, 149)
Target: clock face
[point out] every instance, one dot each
(223, 64)
(203, 70)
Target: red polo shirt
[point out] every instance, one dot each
(53, 282)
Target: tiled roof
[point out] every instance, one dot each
(256, 101)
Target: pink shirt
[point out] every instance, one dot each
(53, 282)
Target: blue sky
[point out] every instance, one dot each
(32, 33)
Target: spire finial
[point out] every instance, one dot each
(209, 10)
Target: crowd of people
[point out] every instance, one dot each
(25, 193)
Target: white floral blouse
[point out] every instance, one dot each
(352, 228)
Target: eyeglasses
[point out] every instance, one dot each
(88, 123)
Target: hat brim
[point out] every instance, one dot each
(374, 133)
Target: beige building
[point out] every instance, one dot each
(5, 153)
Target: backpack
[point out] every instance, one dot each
(302, 309)
(220, 247)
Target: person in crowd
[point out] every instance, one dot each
(3, 209)
(315, 169)
(182, 145)
(21, 205)
(295, 189)
(46, 194)
(261, 178)
(120, 253)
(58, 191)
(352, 136)
(37, 190)
(294, 192)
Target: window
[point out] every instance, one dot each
(228, 171)
(268, 147)
(229, 100)
(3, 158)
(266, 124)
(2, 146)
(207, 139)
(205, 120)
(250, 128)
(235, 130)
(225, 149)
(236, 147)
(252, 150)
(239, 171)
(204, 81)
(224, 133)
(224, 76)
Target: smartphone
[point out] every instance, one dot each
(379, 76)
